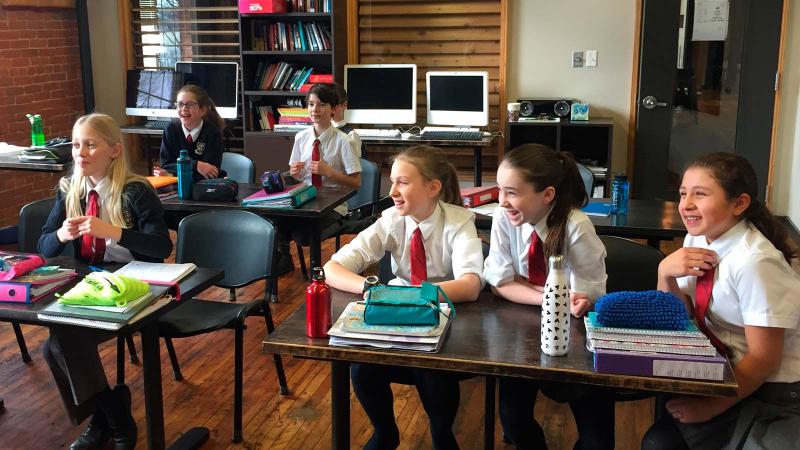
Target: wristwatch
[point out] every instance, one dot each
(369, 282)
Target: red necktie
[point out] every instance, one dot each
(316, 180)
(419, 269)
(93, 249)
(189, 138)
(537, 272)
(702, 297)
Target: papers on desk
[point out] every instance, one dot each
(351, 331)
(487, 209)
(156, 272)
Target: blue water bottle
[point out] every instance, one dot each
(619, 195)
(184, 176)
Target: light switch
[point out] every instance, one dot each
(577, 59)
(591, 58)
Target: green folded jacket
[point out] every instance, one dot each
(104, 289)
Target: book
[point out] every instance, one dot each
(597, 209)
(291, 202)
(27, 292)
(87, 319)
(156, 272)
(56, 312)
(262, 196)
(353, 321)
(635, 345)
(594, 327)
(660, 364)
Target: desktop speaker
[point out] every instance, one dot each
(550, 107)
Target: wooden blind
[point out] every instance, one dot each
(435, 35)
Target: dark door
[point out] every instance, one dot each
(706, 83)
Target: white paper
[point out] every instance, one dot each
(486, 210)
(710, 20)
(158, 272)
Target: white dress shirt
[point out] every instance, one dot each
(352, 136)
(452, 246)
(194, 133)
(114, 251)
(754, 286)
(584, 252)
(335, 150)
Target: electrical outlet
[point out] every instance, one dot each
(591, 58)
(577, 59)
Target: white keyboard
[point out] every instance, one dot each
(451, 133)
(378, 132)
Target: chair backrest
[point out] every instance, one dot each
(32, 218)
(587, 177)
(630, 266)
(370, 188)
(239, 168)
(238, 242)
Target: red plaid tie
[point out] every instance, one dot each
(189, 138)
(316, 180)
(419, 269)
(93, 249)
(702, 297)
(537, 272)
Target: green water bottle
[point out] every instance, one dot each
(37, 119)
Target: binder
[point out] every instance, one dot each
(480, 195)
(293, 201)
(660, 364)
(29, 292)
(262, 196)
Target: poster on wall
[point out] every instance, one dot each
(710, 20)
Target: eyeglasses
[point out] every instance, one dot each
(187, 105)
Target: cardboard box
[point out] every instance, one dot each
(477, 196)
(262, 6)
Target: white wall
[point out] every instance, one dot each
(542, 36)
(108, 64)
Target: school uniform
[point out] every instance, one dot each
(356, 143)
(593, 408)
(753, 285)
(452, 249)
(70, 352)
(205, 145)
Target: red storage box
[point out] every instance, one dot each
(262, 6)
(477, 196)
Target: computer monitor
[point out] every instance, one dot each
(381, 94)
(219, 79)
(151, 93)
(458, 98)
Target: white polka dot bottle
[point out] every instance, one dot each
(555, 309)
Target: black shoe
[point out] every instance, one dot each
(117, 408)
(95, 435)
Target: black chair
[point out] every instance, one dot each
(362, 211)
(243, 245)
(239, 168)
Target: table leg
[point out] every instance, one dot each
(654, 242)
(489, 413)
(478, 167)
(315, 246)
(340, 404)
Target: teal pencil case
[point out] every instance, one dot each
(405, 305)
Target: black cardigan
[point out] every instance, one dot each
(207, 147)
(147, 237)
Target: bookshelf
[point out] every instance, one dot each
(277, 53)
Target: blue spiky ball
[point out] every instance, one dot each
(655, 310)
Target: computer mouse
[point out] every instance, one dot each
(486, 134)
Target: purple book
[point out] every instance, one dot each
(660, 364)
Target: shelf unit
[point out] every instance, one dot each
(270, 150)
(587, 140)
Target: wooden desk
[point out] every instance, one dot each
(312, 212)
(196, 282)
(10, 160)
(476, 145)
(490, 337)
(653, 220)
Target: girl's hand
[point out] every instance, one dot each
(207, 170)
(296, 168)
(697, 409)
(97, 228)
(687, 261)
(159, 172)
(320, 168)
(69, 230)
(579, 304)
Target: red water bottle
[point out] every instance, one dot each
(318, 306)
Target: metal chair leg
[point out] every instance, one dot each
(173, 358)
(23, 349)
(302, 259)
(132, 349)
(120, 360)
(232, 295)
(237, 383)
(284, 388)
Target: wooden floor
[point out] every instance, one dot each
(34, 417)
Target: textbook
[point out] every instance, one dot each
(262, 196)
(660, 364)
(597, 209)
(633, 344)
(79, 315)
(147, 307)
(298, 199)
(156, 272)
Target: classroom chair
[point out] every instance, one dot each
(244, 246)
(363, 211)
(239, 168)
(587, 177)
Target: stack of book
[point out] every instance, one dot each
(686, 353)
(166, 187)
(292, 119)
(289, 198)
(351, 331)
(34, 285)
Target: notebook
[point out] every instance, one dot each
(86, 321)
(660, 365)
(79, 315)
(597, 209)
(593, 326)
(156, 272)
(262, 196)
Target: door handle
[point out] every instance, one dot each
(650, 102)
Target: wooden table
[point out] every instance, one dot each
(477, 146)
(653, 220)
(196, 282)
(310, 213)
(490, 337)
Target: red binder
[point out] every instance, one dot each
(477, 196)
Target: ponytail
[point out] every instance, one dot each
(433, 165)
(736, 176)
(542, 167)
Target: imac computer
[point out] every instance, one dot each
(458, 98)
(151, 93)
(219, 79)
(381, 94)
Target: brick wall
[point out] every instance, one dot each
(39, 73)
